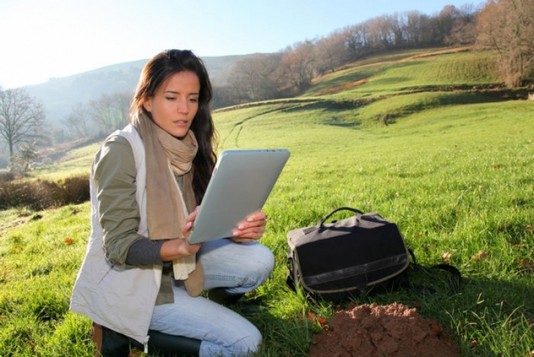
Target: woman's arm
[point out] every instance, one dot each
(115, 176)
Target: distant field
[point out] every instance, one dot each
(411, 72)
(75, 162)
(452, 168)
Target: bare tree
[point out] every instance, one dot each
(463, 30)
(297, 67)
(21, 161)
(253, 78)
(379, 35)
(110, 112)
(508, 27)
(331, 52)
(357, 41)
(21, 118)
(78, 122)
(416, 29)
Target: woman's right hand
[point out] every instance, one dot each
(180, 247)
(177, 248)
(190, 221)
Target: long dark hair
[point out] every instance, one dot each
(155, 72)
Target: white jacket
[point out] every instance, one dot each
(120, 299)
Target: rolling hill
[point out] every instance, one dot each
(427, 138)
(380, 90)
(60, 95)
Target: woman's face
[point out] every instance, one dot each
(175, 103)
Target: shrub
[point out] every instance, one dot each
(41, 194)
(73, 190)
(6, 176)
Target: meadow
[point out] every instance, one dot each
(453, 167)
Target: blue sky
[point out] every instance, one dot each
(41, 39)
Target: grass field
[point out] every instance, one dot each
(453, 168)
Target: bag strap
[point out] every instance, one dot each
(354, 210)
(455, 276)
(321, 223)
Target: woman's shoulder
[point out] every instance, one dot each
(118, 145)
(114, 147)
(115, 155)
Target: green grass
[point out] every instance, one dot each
(454, 170)
(76, 162)
(39, 259)
(422, 69)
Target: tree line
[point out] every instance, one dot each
(506, 26)
(291, 71)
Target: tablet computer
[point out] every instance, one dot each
(240, 185)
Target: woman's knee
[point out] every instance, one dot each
(261, 263)
(252, 342)
(248, 343)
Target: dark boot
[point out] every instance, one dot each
(165, 345)
(221, 296)
(112, 344)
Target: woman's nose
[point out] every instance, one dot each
(183, 106)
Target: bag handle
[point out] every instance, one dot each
(354, 210)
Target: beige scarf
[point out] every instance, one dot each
(167, 206)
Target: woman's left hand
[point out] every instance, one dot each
(251, 228)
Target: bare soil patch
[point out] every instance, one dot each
(382, 330)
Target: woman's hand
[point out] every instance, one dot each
(251, 228)
(177, 248)
(189, 221)
(180, 247)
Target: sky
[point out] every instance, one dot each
(44, 39)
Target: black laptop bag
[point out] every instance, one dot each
(334, 260)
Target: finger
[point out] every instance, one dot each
(193, 215)
(256, 216)
(250, 227)
(251, 223)
(187, 229)
(252, 233)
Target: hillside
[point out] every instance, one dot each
(426, 138)
(379, 90)
(60, 95)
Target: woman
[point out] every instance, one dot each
(141, 280)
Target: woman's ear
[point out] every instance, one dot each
(147, 104)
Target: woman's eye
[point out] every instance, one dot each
(194, 100)
(170, 98)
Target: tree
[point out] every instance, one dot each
(21, 118)
(463, 31)
(508, 27)
(110, 112)
(297, 67)
(77, 123)
(416, 29)
(253, 78)
(379, 35)
(357, 41)
(331, 52)
(21, 161)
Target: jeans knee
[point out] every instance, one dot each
(262, 264)
(245, 346)
(250, 343)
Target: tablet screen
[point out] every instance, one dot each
(240, 185)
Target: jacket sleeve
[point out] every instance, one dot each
(119, 214)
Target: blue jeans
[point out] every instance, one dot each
(239, 268)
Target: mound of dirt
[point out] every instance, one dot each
(375, 330)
